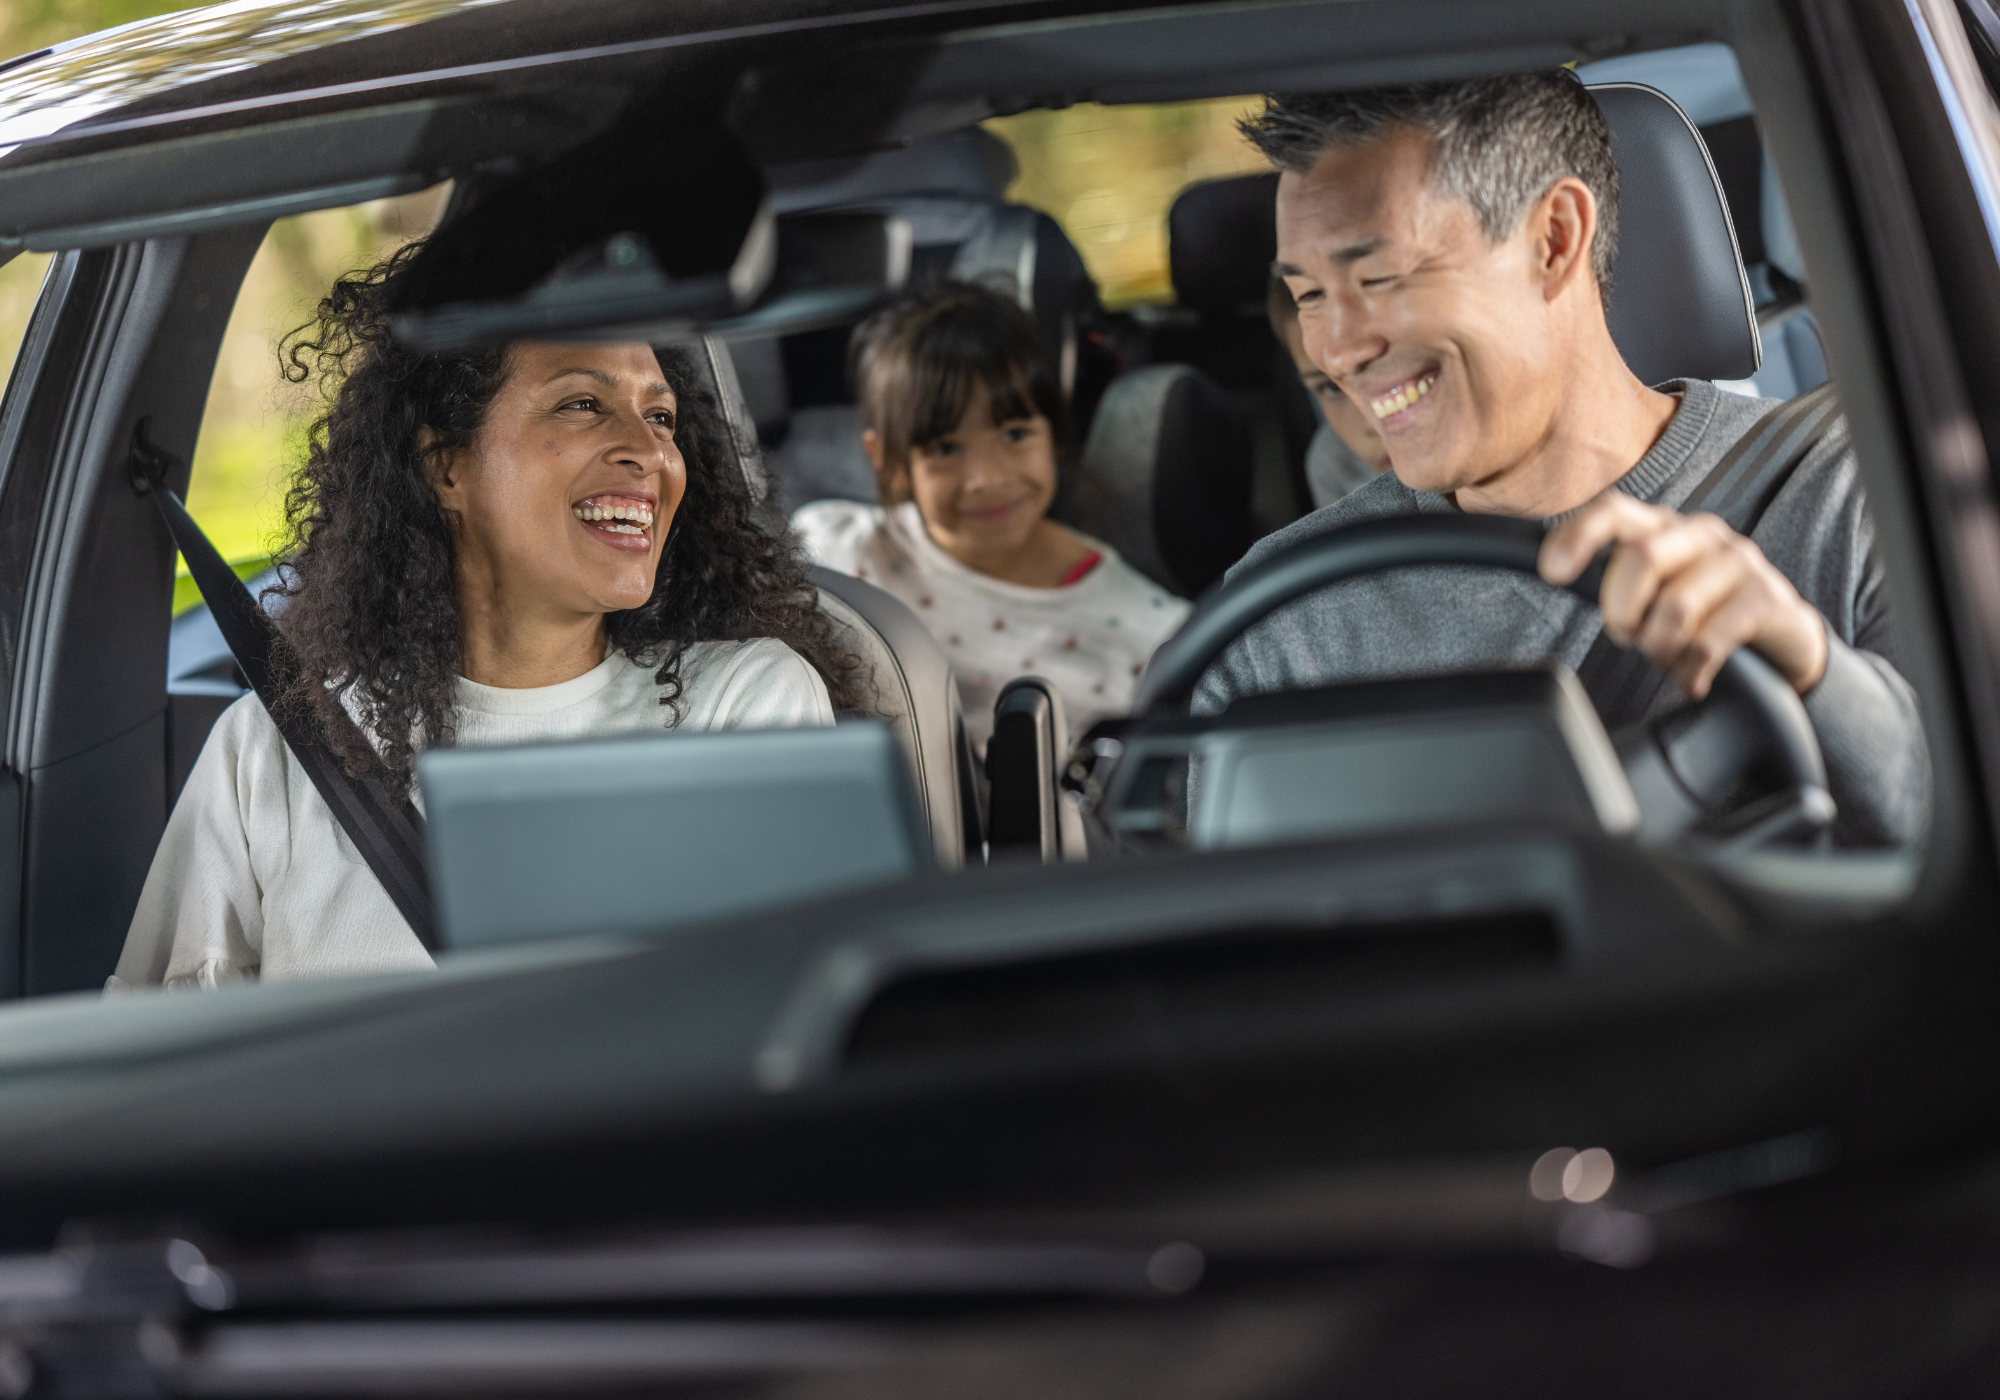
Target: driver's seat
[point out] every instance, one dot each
(1680, 305)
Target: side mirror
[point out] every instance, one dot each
(794, 273)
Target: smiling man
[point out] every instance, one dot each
(1450, 248)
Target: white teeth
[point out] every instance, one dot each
(637, 512)
(1402, 398)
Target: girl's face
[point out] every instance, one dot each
(560, 504)
(983, 487)
(1342, 414)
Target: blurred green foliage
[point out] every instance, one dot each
(27, 25)
(1108, 175)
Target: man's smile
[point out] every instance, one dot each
(1390, 406)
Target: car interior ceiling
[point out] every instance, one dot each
(127, 332)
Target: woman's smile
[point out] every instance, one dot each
(621, 519)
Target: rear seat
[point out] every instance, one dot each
(1198, 453)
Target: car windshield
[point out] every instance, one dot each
(741, 594)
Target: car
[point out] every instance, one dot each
(1474, 1084)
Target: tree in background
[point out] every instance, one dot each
(28, 25)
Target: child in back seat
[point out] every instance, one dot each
(1347, 452)
(965, 426)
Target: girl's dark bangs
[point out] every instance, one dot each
(944, 378)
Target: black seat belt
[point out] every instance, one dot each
(1620, 681)
(389, 834)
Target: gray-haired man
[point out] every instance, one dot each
(1450, 248)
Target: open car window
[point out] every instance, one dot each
(252, 426)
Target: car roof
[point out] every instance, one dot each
(254, 109)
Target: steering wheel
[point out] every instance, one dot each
(1684, 767)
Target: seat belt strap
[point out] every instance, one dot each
(1620, 681)
(388, 834)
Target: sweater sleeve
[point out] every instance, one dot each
(200, 920)
(1863, 710)
(1877, 763)
(764, 684)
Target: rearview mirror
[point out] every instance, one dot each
(795, 272)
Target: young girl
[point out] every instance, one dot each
(965, 426)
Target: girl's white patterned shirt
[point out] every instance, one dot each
(1091, 638)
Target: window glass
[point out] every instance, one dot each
(20, 285)
(1108, 175)
(253, 430)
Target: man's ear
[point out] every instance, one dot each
(1565, 221)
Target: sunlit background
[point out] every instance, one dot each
(1107, 174)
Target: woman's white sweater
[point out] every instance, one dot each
(255, 878)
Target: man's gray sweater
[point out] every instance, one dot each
(1426, 621)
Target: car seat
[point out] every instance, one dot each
(906, 675)
(951, 190)
(1680, 300)
(1165, 477)
(1705, 81)
(1171, 468)
(1169, 473)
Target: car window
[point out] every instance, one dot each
(252, 428)
(1109, 174)
(20, 284)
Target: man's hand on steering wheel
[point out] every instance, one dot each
(1687, 591)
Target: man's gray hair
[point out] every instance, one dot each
(1496, 143)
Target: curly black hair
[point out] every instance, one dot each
(371, 613)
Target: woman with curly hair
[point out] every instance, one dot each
(534, 542)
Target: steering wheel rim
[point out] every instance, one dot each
(1374, 546)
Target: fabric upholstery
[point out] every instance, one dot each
(1165, 477)
(1221, 238)
(1680, 305)
(913, 691)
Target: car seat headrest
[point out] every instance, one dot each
(1022, 253)
(1221, 238)
(1707, 82)
(1680, 302)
